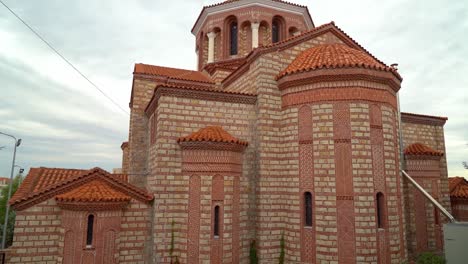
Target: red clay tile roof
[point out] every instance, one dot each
(458, 187)
(294, 40)
(41, 181)
(172, 73)
(230, 1)
(421, 149)
(93, 191)
(229, 65)
(124, 145)
(335, 55)
(212, 134)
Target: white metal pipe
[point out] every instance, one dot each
(428, 196)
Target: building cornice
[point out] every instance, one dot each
(423, 119)
(234, 5)
(197, 93)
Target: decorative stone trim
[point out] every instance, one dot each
(211, 146)
(339, 94)
(349, 75)
(197, 93)
(233, 5)
(101, 206)
(423, 119)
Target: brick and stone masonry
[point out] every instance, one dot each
(286, 130)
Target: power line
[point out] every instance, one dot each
(63, 58)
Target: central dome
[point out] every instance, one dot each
(335, 55)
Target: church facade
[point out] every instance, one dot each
(286, 139)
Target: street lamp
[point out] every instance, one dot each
(7, 211)
(21, 170)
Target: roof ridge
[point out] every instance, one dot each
(166, 67)
(74, 194)
(232, 1)
(421, 115)
(214, 133)
(172, 73)
(418, 148)
(273, 46)
(26, 193)
(332, 55)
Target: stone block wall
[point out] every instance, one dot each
(44, 233)
(135, 234)
(142, 92)
(432, 175)
(460, 209)
(38, 234)
(178, 116)
(281, 184)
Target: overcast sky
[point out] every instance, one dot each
(65, 122)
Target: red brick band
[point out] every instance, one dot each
(339, 94)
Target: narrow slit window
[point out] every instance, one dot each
(308, 208)
(89, 233)
(216, 221)
(233, 38)
(380, 210)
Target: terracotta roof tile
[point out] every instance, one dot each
(458, 187)
(231, 1)
(421, 149)
(332, 56)
(93, 191)
(172, 73)
(229, 65)
(41, 180)
(212, 134)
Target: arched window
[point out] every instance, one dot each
(275, 34)
(216, 221)
(308, 208)
(380, 210)
(278, 29)
(233, 37)
(89, 232)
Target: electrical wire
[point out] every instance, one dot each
(63, 57)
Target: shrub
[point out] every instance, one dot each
(253, 253)
(430, 258)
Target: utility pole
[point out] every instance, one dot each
(7, 211)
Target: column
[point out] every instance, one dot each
(255, 27)
(211, 42)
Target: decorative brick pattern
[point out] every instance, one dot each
(194, 219)
(344, 183)
(306, 175)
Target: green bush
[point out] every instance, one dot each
(430, 258)
(282, 253)
(253, 253)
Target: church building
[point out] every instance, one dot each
(286, 139)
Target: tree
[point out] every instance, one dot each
(12, 214)
(465, 164)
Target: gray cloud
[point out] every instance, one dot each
(66, 123)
